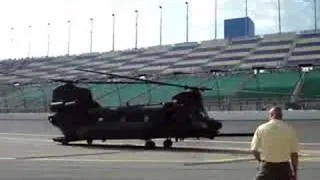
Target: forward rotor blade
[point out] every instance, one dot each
(147, 81)
(22, 76)
(38, 78)
(70, 81)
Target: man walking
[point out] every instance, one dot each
(275, 146)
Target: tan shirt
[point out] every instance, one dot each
(275, 140)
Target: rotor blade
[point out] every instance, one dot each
(39, 78)
(145, 80)
(263, 92)
(111, 82)
(69, 81)
(235, 135)
(22, 76)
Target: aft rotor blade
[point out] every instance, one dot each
(145, 80)
(111, 82)
(263, 92)
(38, 78)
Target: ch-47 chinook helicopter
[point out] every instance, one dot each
(80, 118)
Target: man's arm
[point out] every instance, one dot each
(255, 145)
(294, 156)
(294, 163)
(256, 155)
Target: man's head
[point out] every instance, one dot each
(275, 113)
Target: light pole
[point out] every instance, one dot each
(246, 9)
(12, 41)
(113, 29)
(12, 31)
(136, 42)
(187, 21)
(215, 18)
(160, 25)
(69, 38)
(279, 15)
(215, 72)
(315, 15)
(48, 48)
(29, 43)
(91, 32)
(246, 15)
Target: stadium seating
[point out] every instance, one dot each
(271, 51)
(233, 54)
(274, 84)
(176, 53)
(311, 85)
(307, 50)
(274, 50)
(224, 85)
(201, 55)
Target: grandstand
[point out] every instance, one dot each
(237, 88)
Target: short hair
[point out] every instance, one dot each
(277, 112)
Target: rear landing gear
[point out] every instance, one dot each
(89, 141)
(150, 144)
(65, 142)
(167, 144)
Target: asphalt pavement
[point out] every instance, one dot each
(27, 152)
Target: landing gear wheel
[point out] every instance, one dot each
(65, 142)
(167, 144)
(150, 144)
(89, 141)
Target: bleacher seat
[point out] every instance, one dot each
(307, 50)
(234, 52)
(275, 50)
(311, 85)
(274, 84)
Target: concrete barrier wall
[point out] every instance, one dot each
(24, 116)
(263, 115)
(219, 115)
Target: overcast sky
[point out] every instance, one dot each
(296, 15)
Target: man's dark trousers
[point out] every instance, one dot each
(274, 171)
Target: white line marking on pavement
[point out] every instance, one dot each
(28, 134)
(7, 158)
(225, 160)
(25, 139)
(242, 142)
(186, 140)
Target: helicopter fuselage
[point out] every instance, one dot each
(136, 122)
